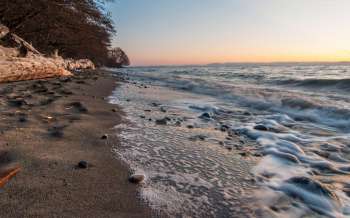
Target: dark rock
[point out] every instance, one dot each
(261, 127)
(243, 153)
(163, 121)
(22, 119)
(229, 147)
(154, 104)
(142, 116)
(206, 116)
(162, 109)
(114, 110)
(168, 118)
(105, 136)
(198, 137)
(202, 137)
(83, 164)
(246, 113)
(57, 131)
(17, 102)
(224, 128)
(190, 126)
(136, 178)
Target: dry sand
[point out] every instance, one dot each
(46, 128)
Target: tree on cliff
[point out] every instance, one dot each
(76, 28)
(118, 58)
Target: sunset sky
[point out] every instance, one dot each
(162, 32)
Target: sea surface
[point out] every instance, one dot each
(240, 140)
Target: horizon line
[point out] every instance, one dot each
(244, 63)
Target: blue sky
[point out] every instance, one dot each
(156, 32)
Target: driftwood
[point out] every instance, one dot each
(20, 43)
(9, 39)
(3, 31)
(7, 175)
(19, 60)
(35, 67)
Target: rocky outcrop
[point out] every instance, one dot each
(19, 60)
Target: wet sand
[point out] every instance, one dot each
(47, 127)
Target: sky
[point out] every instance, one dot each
(180, 32)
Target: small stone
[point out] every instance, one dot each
(243, 154)
(162, 121)
(17, 102)
(83, 164)
(246, 113)
(142, 116)
(154, 104)
(162, 109)
(224, 128)
(22, 119)
(261, 127)
(105, 136)
(202, 137)
(114, 110)
(136, 178)
(190, 126)
(205, 116)
(178, 123)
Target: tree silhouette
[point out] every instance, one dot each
(118, 58)
(76, 28)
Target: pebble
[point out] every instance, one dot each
(136, 178)
(22, 119)
(205, 116)
(163, 121)
(105, 136)
(261, 127)
(224, 128)
(83, 164)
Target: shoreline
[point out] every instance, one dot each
(48, 126)
(193, 167)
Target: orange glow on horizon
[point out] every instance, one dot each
(202, 60)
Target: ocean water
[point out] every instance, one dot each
(239, 140)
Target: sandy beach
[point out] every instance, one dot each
(47, 127)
